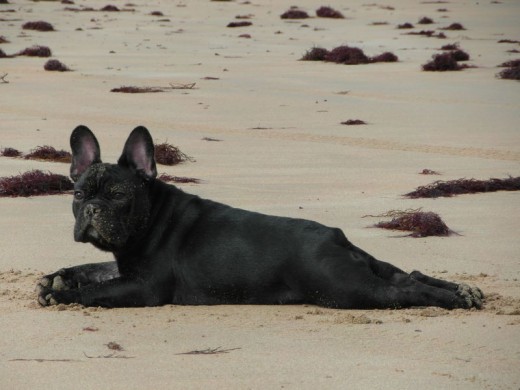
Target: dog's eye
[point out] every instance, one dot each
(79, 195)
(118, 195)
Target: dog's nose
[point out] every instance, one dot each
(91, 210)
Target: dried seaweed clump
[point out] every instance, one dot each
(36, 51)
(11, 152)
(428, 33)
(511, 64)
(512, 71)
(426, 171)
(2, 54)
(38, 26)
(315, 54)
(167, 154)
(132, 89)
(56, 66)
(443, 62)
(459, 55)
(450, 46)
(110, 8)
(464, 186)
(294, 13)
(239, 24)
(454, 27)
(346, 55)
(49, 153)
(405, 26)
(328, 12)
(353, 122)
(420, 223)
(34, 183)
(425, 20)
(177, 179)
(385, 57)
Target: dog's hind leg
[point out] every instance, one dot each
(353, 279)
(472, 292)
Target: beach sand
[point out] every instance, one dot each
(282, 151)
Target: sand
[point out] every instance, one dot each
(283, 151)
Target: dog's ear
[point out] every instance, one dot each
(138, 153)
(85, 151)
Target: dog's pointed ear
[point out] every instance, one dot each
(138, 153)
(85, 151)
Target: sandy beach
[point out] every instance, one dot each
(281, 150)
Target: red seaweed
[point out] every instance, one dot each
(353, 122)
(38, 26)
(110, 8)
(177, 179)
(49, 153)
(34, 183)
(464, 186)
(132, 89)
(239, 24)
(508, 41)
(428, 33)
(405, 26)
(454, 27)
(428, 172)
(510, 64)
(425, 20)
(510, 73)
(420, 223)
(11, 152)
(167, 154)
(441, 63)
(328, 12)
(294, 14)
(385, 57)
(347, 55)
(450, 46)
(36, 51)
(55, 65)
(315, 54)
(459, 55)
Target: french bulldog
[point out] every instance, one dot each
(171, 247)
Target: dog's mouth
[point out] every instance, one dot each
(89, 232)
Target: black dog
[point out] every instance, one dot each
(175, 248)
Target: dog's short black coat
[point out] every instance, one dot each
(171, 247)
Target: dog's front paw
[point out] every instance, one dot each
(45, 296)
(49, 287)
(471, 294)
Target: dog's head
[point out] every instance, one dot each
(111, 201)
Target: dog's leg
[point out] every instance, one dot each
(354, 279)
(472, 292)
(116, 292)
(76, 277)
(81, 275)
